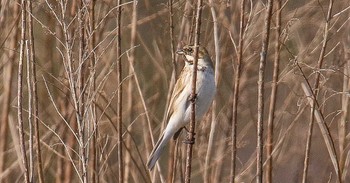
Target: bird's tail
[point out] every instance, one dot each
(157, 150)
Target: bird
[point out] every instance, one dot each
(179, 111)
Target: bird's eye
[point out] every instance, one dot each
(190, 50)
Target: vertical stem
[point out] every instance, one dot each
(236, 79)
(269, 141)
(19, 92)
(80, 90)
(35, 92)
(130, 116)
(81, 80)
(191, 133)
(94, 147)
(131, 87)
(342, 126)
(172, 40)
(260, 129)
(69, 70)
(119, 96)
(30, 116)
(323, 128)
(7, 80)
(71, 142)
(192, 15)
(315, 93)
(214, 105)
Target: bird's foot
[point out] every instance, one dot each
(189, 141)
(192, 97)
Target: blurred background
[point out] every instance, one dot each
(75, 59)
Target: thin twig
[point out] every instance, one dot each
(342, 126)
(30, 116)
(261, 91)
(119, 96)
(236, 78)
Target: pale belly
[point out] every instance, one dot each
(205, 90)
(205, 94)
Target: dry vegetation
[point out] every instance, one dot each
(96, 105)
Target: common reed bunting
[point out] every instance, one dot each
(179, 110)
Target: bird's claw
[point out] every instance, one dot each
(192, 97)
(189, 141)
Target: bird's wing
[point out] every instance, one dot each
(179, 87)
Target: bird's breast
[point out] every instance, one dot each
(205, 91)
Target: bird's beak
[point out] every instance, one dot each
(180, 52)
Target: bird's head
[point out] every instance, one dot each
(188, 52)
